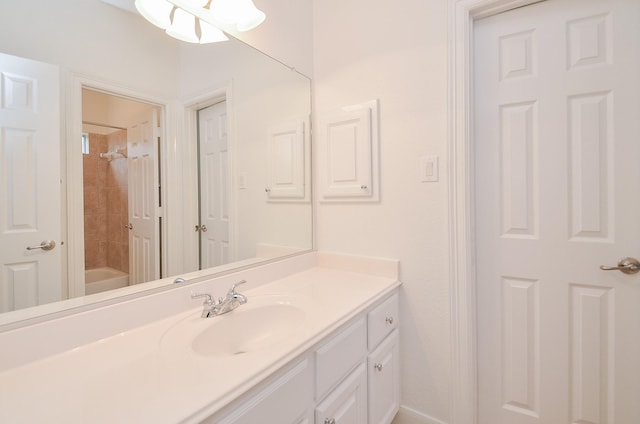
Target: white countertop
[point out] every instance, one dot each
(150, 373)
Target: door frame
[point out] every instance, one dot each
(463, 405)
(73, 186)
(191, 105)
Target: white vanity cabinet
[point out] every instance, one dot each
(349, 377)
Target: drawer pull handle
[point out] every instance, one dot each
(389, 320)
(330, 421)
(378, 367)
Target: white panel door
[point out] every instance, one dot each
(29, 183)
(557, 127)
(144, 198)
(215, 184)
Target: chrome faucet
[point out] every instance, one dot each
(229, 303)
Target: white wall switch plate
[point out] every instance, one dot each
(428, 169)
(242, 181)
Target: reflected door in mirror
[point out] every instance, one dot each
(144, 199)
(215, 186)
(29, 183)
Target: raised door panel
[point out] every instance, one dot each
(348, 402)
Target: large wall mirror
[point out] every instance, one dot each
(128, 158)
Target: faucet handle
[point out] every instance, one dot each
(232, 290)
(208, 301)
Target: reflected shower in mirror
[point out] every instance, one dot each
(203, 151)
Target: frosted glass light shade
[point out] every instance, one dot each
(241, 13)
(251, 20)
(158, 12)
(210, 34)
(195, 3)
(183, 26)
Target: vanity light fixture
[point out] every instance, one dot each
(201, 21)
(241, 15)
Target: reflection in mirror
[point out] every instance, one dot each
(119, 230)
(198, 157)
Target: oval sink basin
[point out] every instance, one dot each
(248, 329)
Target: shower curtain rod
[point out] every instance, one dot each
(103, 125)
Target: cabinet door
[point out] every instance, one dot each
(287, 154)
(287, 400)
(348, 154)
(347, 404)
(384, 381)
(340, 355)
(383, 320)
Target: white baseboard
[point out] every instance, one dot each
(407, 415)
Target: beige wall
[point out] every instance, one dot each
(286, 33)
(396, 52)
(116, 39)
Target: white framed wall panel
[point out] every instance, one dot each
(289, 161)
(348, 154)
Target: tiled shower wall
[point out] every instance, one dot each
(106, 239)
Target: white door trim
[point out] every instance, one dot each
(464, 390)
(74, 172)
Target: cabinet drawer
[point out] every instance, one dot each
(382, 321)
(340, 355)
